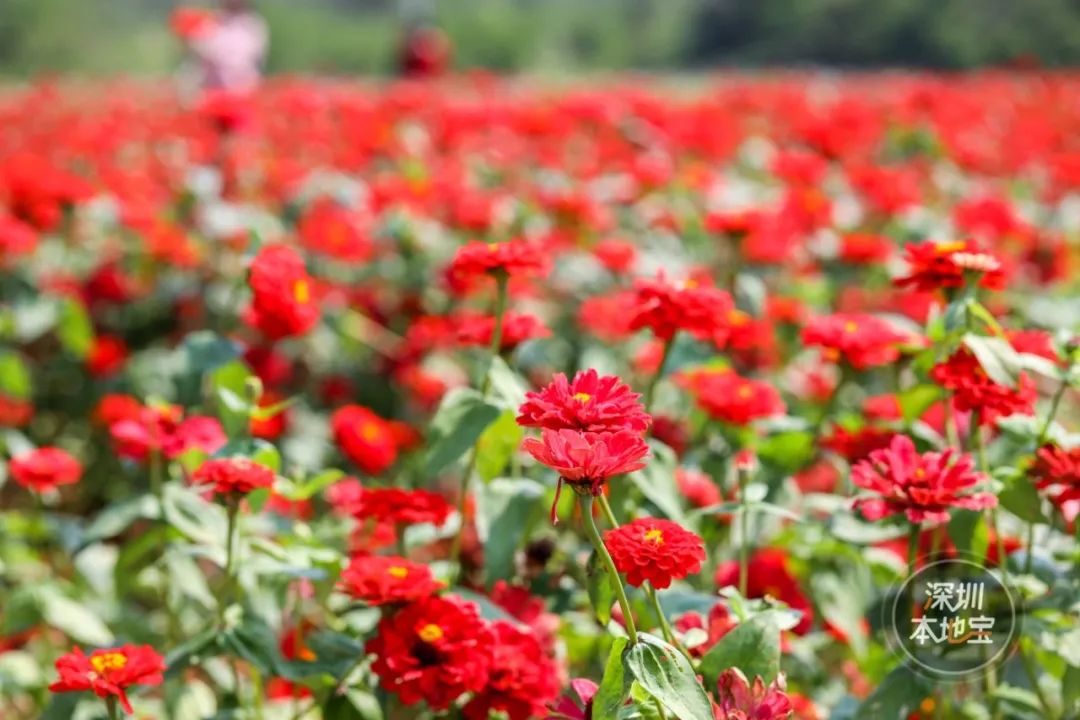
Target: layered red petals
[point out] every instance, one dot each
(655, 550)
(109, 672)
(380, 580)
(590, 402)
(45, 469)
(589, 458)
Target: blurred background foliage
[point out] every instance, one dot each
(97, 37)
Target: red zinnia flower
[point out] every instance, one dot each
(516, 329)
(737, 699)
(435, 649)
(974, 390)
(591, 402)
(109, 672)
(587, 459)
(1058, 469)
(45, 469)
(934, 265)
(406, 507)
(655, 550)
(107, 355)
(234, 476)
(515, 257)
(697, 487)
(856, 445)
(282, 303)
(863, 341)
(365, 438)
(523, 679)
(923, 487)
(380, 579)
(727, 397)
(331, 229)
(667, 308)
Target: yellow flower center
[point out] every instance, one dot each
(493, 246)
(369, 430)
(745, 391)
(655, 536)
(108, 662)
(301, 292)
(851, 326)
(430, 633)
(944, 248)
(927, 705)
(398, 571)
(920, 473)
(689, 284)
(582, 397)
(738, 318)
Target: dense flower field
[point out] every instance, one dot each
(626, 401)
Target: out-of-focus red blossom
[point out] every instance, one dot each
(819, 477)
(522, 681)
(188, 23)
(1057, 471)
(107, 355)
(673, 432)
(655, 550)
(283, 300)
(882, 408)
(273, 427)
(109, 672)
(730, 398)
(666, 308)
(862, 341)
(516, 329)
(565, 708)
(854, 445)
(272, 367)
(769, 574)
(864, 249)
(591, 403)
(395, 505)
(15, 412)
(587, 459)
(615, 254)
(336, 231)
(434, 650)
(973, 390)
(1034, 342)
(718, 623)
(942, 546)
(233, 476)
(923, 487)
(16, 239)
(292, 647)
(283, 506)
(945, 265)
(697, 487)
(514, 258)
(44, 469)
(365, 438)
(382, 579)
(737, 699)
(528, 609)
(608, 317)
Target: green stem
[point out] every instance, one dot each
(232, 509)
(1033, 678)
(1043, 434)
(651, 389)
(913, 548)
(502, 282)
(110, 705)
(585, 502)
(744, 534)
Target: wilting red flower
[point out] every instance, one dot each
(109, 672)
(769, 574)
(587, 459)
(738, 700)
(381, 579)
(933, 265)
(283, 302)
(516, 329)
(862, 341)
(435, 649)
(974, 390)
(365, 438)
(591, 402)
(923, 487)
(406, 507)
(666, 308)
(234, 476)
(655, 550)
(1058, 470)
(45, 469)
(522, 681)
(514, 258)
(727, 397)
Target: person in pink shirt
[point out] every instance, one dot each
(231, 50)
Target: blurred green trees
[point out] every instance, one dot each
(362, 36)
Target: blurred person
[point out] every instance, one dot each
(229, 48)
(425, 53)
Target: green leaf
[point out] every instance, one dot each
(503, 510)
(184, 654)
(460, 420)
(898, 695)
(196, 518)
(507, 384)
(614, 685)
(656, 481)
(968, 531)
(752, 646)
(74, 329)
(497, 445)
(353, 704)
(229, 386)
(254, 641)
(14, 376)
(76, 620)
(601, 588)
(335, 654)
(915, 401)
(668, 676)
(1022, 499)
(788, 450)
(996, 356)
(315, 485)
(206, 350)
(118, 517)
(841, 603)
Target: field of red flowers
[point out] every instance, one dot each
(488, 398)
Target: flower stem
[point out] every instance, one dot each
(502, 281)
(586, 504)
(744, 538)
(232, 509)
(1039, 441)
(913, 547)
(110, 705)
